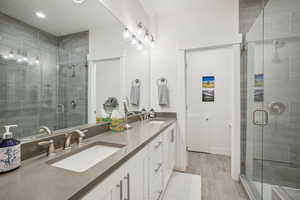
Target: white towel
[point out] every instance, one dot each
(163, 95)
(135, 94)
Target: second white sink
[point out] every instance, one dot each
(87, 158)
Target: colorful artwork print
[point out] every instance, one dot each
(258, 95)
(208, 95)
(208, 82)
(258, 80)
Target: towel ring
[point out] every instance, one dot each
(136, 82)
(161, 81)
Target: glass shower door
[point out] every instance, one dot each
(256, 116)
(272, 139)
(282, 95)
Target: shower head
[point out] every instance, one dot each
(277, 44)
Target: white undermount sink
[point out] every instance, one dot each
(87, 158)
(157, 122)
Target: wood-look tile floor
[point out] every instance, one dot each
(216, 180)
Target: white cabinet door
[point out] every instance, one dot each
(166, 167)
(110, 189)
(172, 144)
(168, 153)
(136, 177)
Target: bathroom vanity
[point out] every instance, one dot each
(139, 168)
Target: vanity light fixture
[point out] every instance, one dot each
(126, 34)
(40, 15)
(134, 40)
(140, 28)
(140, 45)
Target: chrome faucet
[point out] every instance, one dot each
(51, 147)
(127, 126)
(45, 129)
(81, 135)
(152, 114)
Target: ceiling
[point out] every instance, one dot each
(172, 7)
(63, 16)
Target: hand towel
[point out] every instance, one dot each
(163, 95)
(135, 94)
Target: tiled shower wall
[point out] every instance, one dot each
(30, 94)
(73, 76)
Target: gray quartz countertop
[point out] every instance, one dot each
(38, 180)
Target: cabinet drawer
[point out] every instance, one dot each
(156, 145)
(156, 191)
(155, 172)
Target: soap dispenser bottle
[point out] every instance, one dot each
(10, 151)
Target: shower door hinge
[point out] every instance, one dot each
(244, 48)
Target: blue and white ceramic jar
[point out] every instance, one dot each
(10, 152)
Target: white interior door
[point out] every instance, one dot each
(108, 82)
(208, 123)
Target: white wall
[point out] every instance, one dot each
(106, 42)
(215, 23)
(129, 12)
(108, 82)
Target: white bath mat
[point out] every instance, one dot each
(183, 186)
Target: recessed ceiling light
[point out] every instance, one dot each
(40, 15)
(78, 1)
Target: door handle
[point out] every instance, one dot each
(120, 185)
(158, 167)
(172, 136)
(265, 119)
(128, 186)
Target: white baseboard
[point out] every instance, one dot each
(220, 151)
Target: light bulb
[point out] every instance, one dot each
(126, 33)
(134, 40)
(40, 15)
(140, 45)
(140, 29)
(37, 61)
(30, 62)
(25, 58)
(11, 55)
(78, 1)
(152, 44)
(20, 59)
(5, 57)
(147, 37)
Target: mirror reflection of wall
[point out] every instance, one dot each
(117, 64)
(45, 62)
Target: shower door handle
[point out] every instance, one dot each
(265, 118)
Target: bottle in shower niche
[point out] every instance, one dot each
(10, 151)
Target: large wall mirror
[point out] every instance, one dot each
(59, 62)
